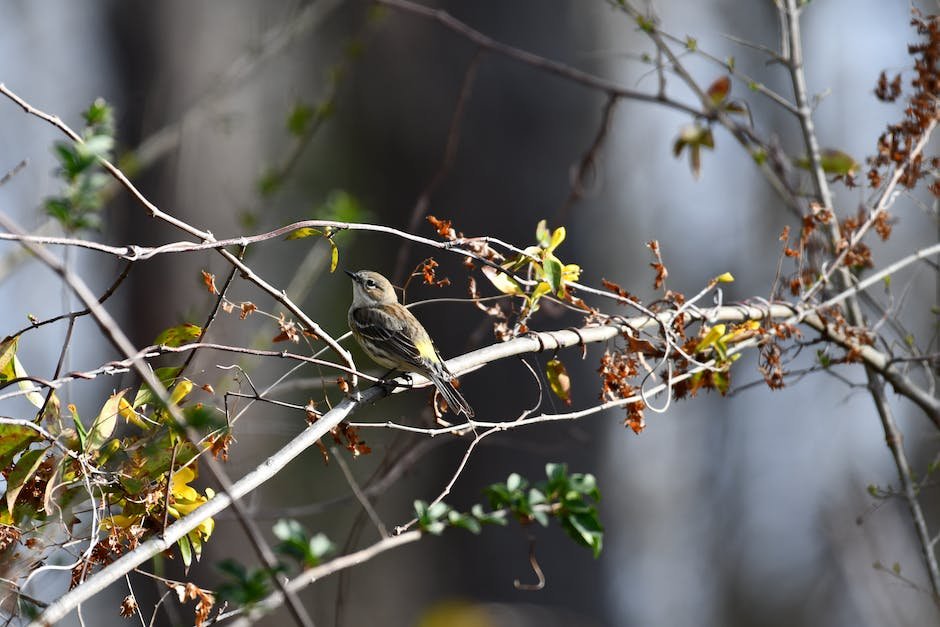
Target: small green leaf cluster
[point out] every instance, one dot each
(297, 544)
(436, 517)
(79, 166)
(244, 587)
(566, 497)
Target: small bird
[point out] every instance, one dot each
(392, 337)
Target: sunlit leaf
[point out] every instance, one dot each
(186, 553)
(179, 335)
(558, 236)
(502, 281)
(303, 232)
(833, 162)
(180, 391)
(713, 335)
(166, 376)
(13, 439)
(552, 270)
(334, 254)
(32, 395)
(7, 353)
(26, 466)
(104, 424)
(558, 380)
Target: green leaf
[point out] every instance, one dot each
(832, 161)
(79, 426)
(556, 473)
(179, 335)
(320, 546)
(298, 120)
(463, 521)
(552, 269)
(586, 485)
(542, 235)
(421, 509)
(98, 145)
(540, 517)
(166, 376)
(514, 482)
(13, 440)
(536, 497)
(186, 552)
(585, 529)
(26, 466)
(99, 113)
(438, 510)
(488, 518)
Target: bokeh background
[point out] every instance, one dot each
(726, 511)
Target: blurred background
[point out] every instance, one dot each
(744, 510)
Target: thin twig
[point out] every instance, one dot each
(588, 164)
(546, 65)
(360, 495)
(895, 442)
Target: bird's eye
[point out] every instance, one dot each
(370, 283)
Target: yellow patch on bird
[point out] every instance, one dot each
(426, 349)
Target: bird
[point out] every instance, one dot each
(392, 337)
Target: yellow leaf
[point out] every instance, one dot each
(714, 334)
(726, 277)
(126, 411)
(179, 335)
(558, 236)
(302, 233)
(571, 272)
(7, 352)
(180, 390)
(502, 281)
(334, 255)
(559, 380)
(104, 424)
(32, 395)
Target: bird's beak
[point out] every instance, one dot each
(352, 275)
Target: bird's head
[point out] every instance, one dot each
(371, 288)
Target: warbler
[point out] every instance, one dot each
(392, 337)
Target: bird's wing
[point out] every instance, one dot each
(381, 325)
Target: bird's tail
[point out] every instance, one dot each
(455, 400)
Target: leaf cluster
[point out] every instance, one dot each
(563, 496)
(78, 205)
